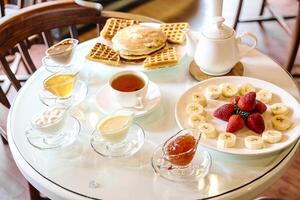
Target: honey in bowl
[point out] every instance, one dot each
(60, 85)
(128, 83)
(181, 150)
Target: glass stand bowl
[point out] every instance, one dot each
(198, 168)
(129, 146)
(63, 137)
(78, 94)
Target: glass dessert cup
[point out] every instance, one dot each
(63, 89)
(117, 135)
(52, 132)
(179, 160)
(59, 56)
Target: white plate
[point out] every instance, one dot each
(107, 103)
(181, 51)
(279, 95)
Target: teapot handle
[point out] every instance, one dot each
(251, 36)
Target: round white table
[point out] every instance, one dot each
(77, 172)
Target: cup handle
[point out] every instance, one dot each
(140, 104)
(251, 36)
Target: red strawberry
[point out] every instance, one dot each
(224, 112)
(247, 102)
(260, 107)
(235, 123)
(235, 100)
(255, 122)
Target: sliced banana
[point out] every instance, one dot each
(229, 89)
(213, 92)
(279, 109)
(264, 96)
(226, 140)
(281, 122)
(197, 97)
(272, 136)
(194, 108)
(208, 129)
(254, 142)
(196, 119)
(245, 88)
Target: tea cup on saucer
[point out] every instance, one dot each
(129, 88)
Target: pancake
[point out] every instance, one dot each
(138, 40)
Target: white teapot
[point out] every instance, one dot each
(215, 49)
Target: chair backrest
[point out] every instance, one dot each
(3, 99)
(43, 17)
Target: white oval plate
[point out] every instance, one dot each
(181, 51)
(279, 95)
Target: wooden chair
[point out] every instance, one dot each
(295, 34)
(41, 18)
(15, 58)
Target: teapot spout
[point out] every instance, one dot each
(191, 41)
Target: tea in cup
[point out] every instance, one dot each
(129, 88)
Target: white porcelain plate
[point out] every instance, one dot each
(181, 51)
(107, 103)
(279, 95)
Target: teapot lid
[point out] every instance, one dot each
(218, 30)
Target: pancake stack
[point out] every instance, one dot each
(137, 41)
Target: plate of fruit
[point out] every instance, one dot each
(240, 115)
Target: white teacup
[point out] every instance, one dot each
(126, 90)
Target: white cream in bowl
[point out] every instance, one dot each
(50, 121)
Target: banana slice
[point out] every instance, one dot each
(254, 142)
(194, 108)
(245, 88)
(197, 97)
(213, 92)
(272, 136)
(281, 122)
(229, 89)
(226, 140)
(264, 96)
(279, 109)
(208, 129)
(196, 119)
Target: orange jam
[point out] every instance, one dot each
(181, 150)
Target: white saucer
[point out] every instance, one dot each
(107, 103)
(65, 136)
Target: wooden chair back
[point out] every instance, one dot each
(43, 17)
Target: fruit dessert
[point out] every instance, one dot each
(241, 111)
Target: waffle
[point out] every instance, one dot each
(113, 25)
(174, 31)
(105, 54)
(163, 58)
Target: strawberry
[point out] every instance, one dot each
(260, 107)
(247, 102)
(235, 123)
(235, 100)
(224, 112)
(255, 122)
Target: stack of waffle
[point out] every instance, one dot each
(134, 43)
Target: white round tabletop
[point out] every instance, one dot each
(77, 172)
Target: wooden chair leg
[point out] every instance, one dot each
(4, 141)
(34, 193)
(238, 13)
(262, 8)
(294, 43)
